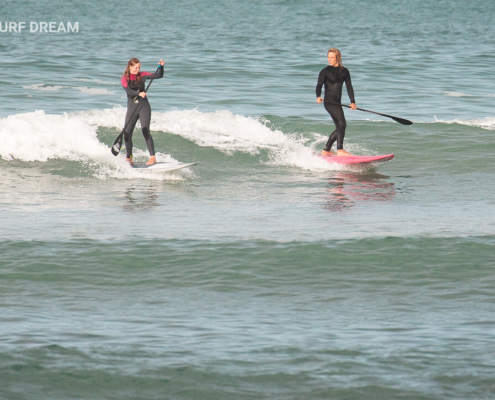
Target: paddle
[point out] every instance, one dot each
(397, 119)
(117, 144)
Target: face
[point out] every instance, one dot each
(332, 59)
(135, 68)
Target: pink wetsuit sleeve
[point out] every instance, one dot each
(123, 81)
(148, 75)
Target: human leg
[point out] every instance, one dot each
(337, 114)
(145, 117)
(130, 122)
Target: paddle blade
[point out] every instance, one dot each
(402, 121)
(117, 145)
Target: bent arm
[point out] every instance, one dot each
(157, 75)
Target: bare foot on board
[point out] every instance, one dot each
(151, 161)
(343, 153)
(328, 153)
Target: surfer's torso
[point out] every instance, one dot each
(333, 78)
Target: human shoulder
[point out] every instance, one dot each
(123, 81)
(325, 70)
(345, 72)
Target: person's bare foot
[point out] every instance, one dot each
(328, 153)
(151, 161)
(343, 153)
(129, 160)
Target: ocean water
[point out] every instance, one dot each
(262, 272)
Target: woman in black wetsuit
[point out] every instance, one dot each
(333, 77)
(138, 106)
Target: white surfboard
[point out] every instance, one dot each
(161, 166)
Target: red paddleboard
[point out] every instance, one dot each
(357, 159)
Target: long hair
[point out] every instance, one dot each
(338, 56)
(132, 62)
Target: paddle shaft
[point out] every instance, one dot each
(118, 141)
(397, 119)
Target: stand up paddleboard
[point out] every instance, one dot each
(161, 166)
(357, 159)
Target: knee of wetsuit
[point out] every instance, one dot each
(146, 133)
(126, 136)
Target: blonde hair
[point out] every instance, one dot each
(131, 63)
(338, 56)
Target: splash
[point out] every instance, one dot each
(230, 133)
(41, 137)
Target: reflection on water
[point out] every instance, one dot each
(139, 200)
(347, 189)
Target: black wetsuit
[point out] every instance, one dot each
(133, 87)
(333, 78)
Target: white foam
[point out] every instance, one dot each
(45, 88)
(55, 88)
(41, 137)
(89, 90)
(457, 94)
(94, 81)
(232, 133)
(485, 123)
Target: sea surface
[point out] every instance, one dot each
(262, 272)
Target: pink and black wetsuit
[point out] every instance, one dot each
(133, 87)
